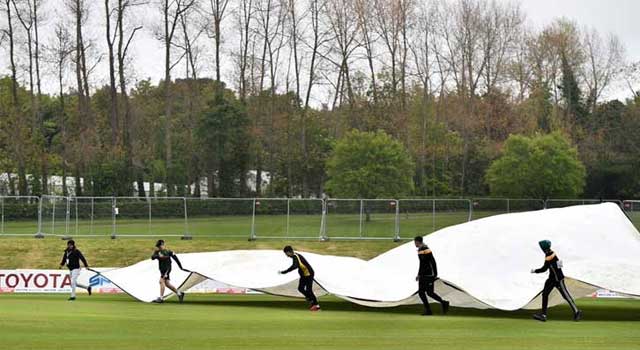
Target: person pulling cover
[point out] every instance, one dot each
(72, 257)
(164, 257)
(427, 276)
(555, 280)
(305, 286)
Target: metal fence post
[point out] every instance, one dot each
(39, 233)
(470, 209)
(433, 215)
(508, 206)
(2, 227)
(149, 221)
(186, 220)
(92, 214)
(114, 208)
(323, 221)
(361, 211)
(67, 216)
(76, 202)
(53, 218)
(252, 235)
(397, 233)
(286, 234)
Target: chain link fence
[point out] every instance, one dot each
(19, 215)
(484, 207)
(221, 217)
(632, 209)
(560, 203)
(423, 216)
(258, 218)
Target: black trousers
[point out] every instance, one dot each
(305, 286)
(426, 287)
(562, 288)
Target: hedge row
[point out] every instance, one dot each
(174, 208)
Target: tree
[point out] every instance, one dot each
(171, 14)
(572, 94)
(543, 166)
(223, 138)
(113, 97)
(369, 165)
(80, 11)
(604, 60)
(60, 52)
(218, 8)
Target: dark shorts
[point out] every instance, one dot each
(164, 274)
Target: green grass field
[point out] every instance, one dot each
(264, 322)
(24, 253)
(44, 322)
(266, 226)
(381, 225)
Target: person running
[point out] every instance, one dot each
(427, 276)
(72, 257)
(164, 256)
(305, 286)
(555, 280)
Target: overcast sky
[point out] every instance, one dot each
(619, 17)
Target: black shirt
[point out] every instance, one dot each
(72, 258)
(428, 265)
(164, 259)
(553, 264)
(300, 263)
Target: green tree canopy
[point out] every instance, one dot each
(369, 165)
(543, 166)
(223, 138)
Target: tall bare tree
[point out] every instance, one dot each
(15, 133)
(59, 52)
(24, 13)
(9, 33)
(339, 15)
(295, 37)
(171, 11)
(111, 34)
(218, 10)
(123, 7)
(603, 61)
(392, 22)
(365, 14)
(319, 37)
(79, 10)
(244, 15)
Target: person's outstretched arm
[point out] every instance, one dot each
(547, 263)
(293, 266)
(175, 258)
(155, 255)
(84, 261)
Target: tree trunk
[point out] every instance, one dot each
(140, 184)
(45, 173)
(113, 95)
(197, 192)
(78, 182)
(14, 81)
(211, 185)
(259, 176)
(65, 191)
(12, 184)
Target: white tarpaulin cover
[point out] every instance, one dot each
(482, 263)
